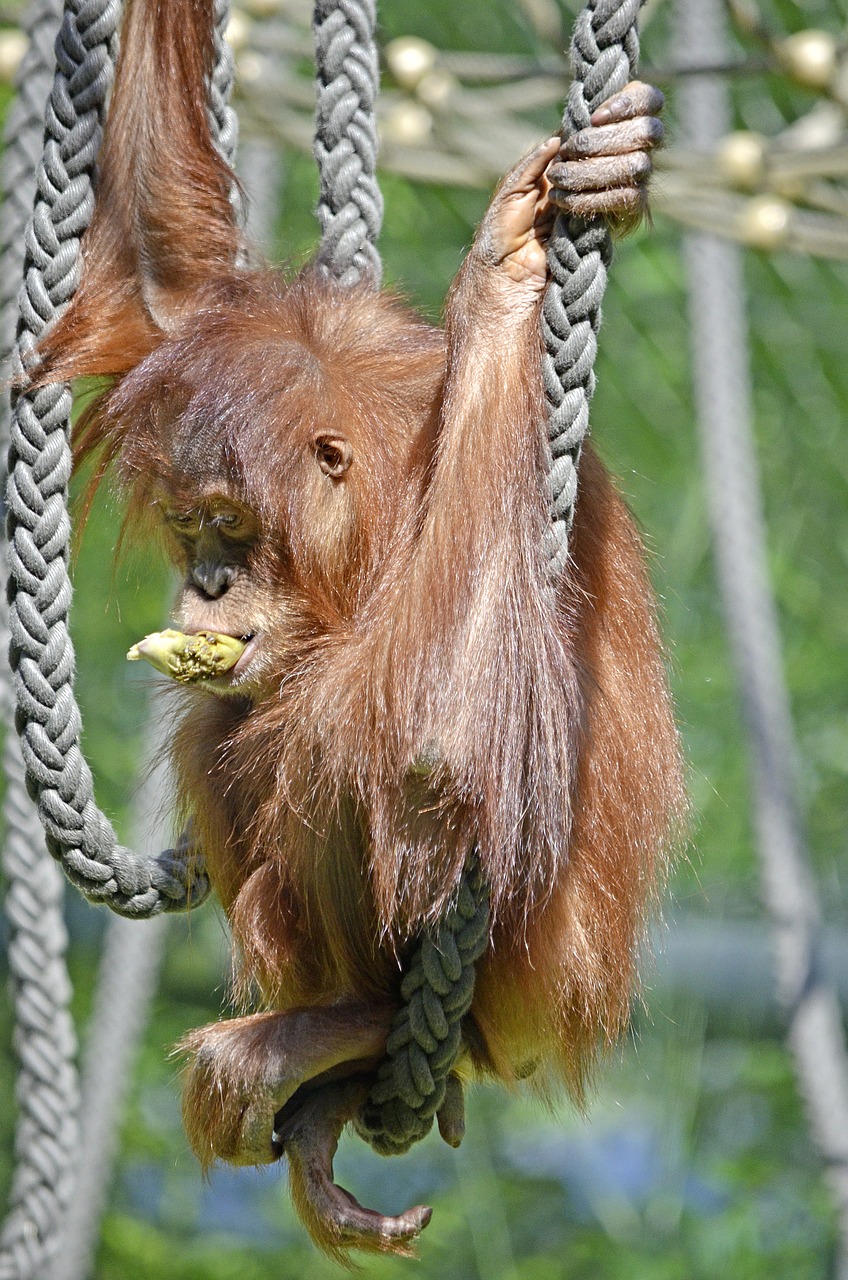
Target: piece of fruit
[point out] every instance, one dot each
(189, 658)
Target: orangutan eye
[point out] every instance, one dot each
(185, 522)
(333, 455)
(234, 524)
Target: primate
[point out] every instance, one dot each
(360, 498)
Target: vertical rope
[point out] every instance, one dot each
(604, 57)
(45, 1044)
(426, 1033)
(223, 118)
(438, 984)
(44, 1037)
(350, 206)
(133, 952)
(721, 369)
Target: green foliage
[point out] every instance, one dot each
(118, 601)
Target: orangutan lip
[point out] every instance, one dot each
(251, 640)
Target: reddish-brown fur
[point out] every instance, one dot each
(423, 689)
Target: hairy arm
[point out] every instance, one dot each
(485, 675)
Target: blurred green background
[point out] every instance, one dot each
(694, 1159)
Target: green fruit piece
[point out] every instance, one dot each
(189, 658)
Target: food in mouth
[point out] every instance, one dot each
(203, 655)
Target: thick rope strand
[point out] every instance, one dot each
(44, 1035)
(604, 56)
(437, 988)
(350, 206)
(24, 136)
(46, 1093)
(42, 656)
(426, 1034)
(127, 975)
(222, 117)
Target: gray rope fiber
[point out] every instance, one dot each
(48, 718)
(426, 1035)
(127, 979)
(604, 57)
(44, 1036)
(46, 1091)
(437, 988)
(721, 369)
(350, 206)
(222, 118)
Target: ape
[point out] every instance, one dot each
(360, 497)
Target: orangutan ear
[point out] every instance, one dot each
(333, 453)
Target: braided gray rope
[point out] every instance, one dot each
(44, 1036)
(426, 1033)
(45, 1044)
(24, 134)
(42, 654)
(47, 1094)
(350, 207)
(718, 326)
(604, 55)
(222, 118)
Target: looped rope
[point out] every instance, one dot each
(437, 988)
(426, 1033)
(350, 206)
(604, 55)
(350, 211)
(42, 657)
